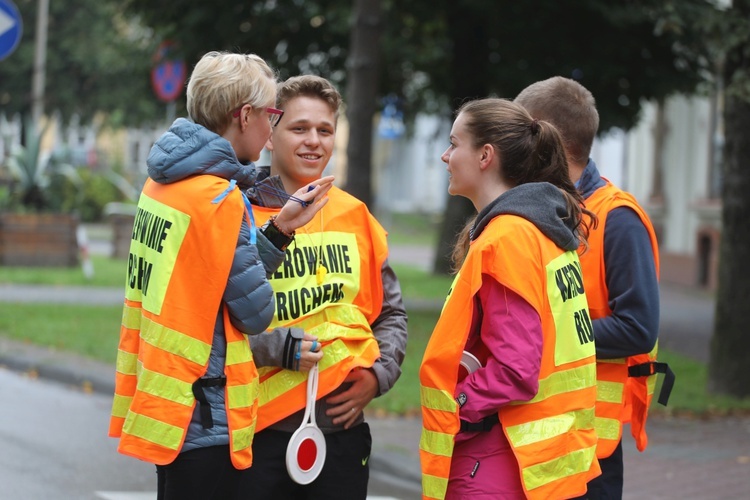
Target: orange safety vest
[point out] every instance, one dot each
(620, 398)
(180, 256)
(552, 435)
(337, 307)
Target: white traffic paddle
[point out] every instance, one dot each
(306, 451)
(468, 364)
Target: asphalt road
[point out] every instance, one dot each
(54, 445)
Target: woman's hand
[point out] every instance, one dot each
(294, 214)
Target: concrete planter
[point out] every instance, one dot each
(121, 216)
(38, 240)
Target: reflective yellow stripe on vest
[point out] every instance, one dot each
(166, 387)
(175, 342)
(242, 439)
(438, 443)
(575, 462)
(241, 395)
(150, 429)
(609, 392)
(131, 317)
(284, 380)
(238, 352)
(434, 486)
(127, 362)
(546, 428)
(607, 428)
(121, 405)
(561, 382)
(437, 399)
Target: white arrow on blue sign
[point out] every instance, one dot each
(10, 28)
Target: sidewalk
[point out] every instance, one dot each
(686, 458)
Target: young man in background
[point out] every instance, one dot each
(620, 274)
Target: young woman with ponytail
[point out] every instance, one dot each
(521, 425)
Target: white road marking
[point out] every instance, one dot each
(126, 495)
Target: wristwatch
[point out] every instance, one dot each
(275, 236)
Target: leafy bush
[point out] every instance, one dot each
(31, 173)
(86, 197)
(41, 181)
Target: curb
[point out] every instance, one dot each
(62, 367)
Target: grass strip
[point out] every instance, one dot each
(92, 331)
(108, 272)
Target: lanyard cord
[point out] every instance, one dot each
(280, 194)
(251, 219)
(249, 208)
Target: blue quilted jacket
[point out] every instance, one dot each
(188, 149)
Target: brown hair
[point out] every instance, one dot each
(309, 86)
(567, 105)
(530, 150)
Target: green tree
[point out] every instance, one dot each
(437, 53)
(499, 47)
(98, 61)
(716, 42)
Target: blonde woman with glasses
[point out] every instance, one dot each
(186, 384)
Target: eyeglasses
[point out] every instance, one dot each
(274, 115)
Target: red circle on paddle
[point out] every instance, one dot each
(307, 453)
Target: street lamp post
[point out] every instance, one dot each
(40, 56)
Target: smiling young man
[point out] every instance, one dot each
(339, 303)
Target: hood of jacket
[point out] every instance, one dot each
(188, 149)
(590, 180)
(540, 203)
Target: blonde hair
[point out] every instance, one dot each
(222, 82)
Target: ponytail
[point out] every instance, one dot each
(461, 247)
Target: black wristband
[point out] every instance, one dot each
(293, 337)
(279, 239)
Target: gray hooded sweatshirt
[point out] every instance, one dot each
(540, 203)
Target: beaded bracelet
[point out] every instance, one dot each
(272, 220)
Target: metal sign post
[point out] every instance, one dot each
(168, 77)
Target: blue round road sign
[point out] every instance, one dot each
(10, 28)
(168, 76)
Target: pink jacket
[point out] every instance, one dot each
(506, 337)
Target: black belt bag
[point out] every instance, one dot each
(484, 425)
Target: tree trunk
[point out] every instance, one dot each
(470, 57)
(361, 94)
(730, 345)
